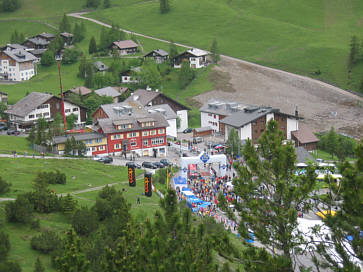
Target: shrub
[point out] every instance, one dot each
(45, 242)
(4, 186)
(84, 221)
(20, 210)
(70, 56)
(4, 246)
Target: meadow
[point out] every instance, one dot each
(305, 37)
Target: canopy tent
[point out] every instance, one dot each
(186, 189)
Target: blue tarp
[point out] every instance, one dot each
(252, 237)
(180, 180)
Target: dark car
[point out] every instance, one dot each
(165, 162)
(159, 164)
(149, 165)
(3, 126)
(133, 164)
(106, 160)
(187, 130)
(13, 132)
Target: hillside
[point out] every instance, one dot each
(303, 37)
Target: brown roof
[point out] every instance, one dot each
(125, 44)
(304, 135)
(81, 89)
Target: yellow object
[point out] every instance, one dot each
(323, 213)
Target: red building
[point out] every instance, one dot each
(129, 131)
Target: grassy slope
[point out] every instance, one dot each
(298, 36)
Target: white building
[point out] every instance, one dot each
(169, 115)
(17, 64)
(196, 57)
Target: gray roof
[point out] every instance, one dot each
(66, 34)
(100, 66)
(249, 114)
(302, 154)
(46, 35)
(15, 46)
(107, 91)
(77, 137)
(37, 51)
(222, 107)
(108, 125)
(164, 109)
(20, 55)
(24, 106)
(160, 52)
(122, 109)
(202, 129)
(37, 40)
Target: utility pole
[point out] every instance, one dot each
(58, 58)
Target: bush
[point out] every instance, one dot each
(4, 186)
(84, 221)
(20, 210)
(50, 177)
(10, 266)
(10, 5)
(47, 58)
(70, 56)
(44, 201)
(4, 246)
(45, 242)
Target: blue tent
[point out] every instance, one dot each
(180, 180)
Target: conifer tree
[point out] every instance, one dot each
(173, 51)
(38, 266)
(214, 52)
(92, 48)
(69, 204)
(354, 51)
(106, 3)
(64, 25)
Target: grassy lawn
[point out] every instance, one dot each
(8, 144)
(298, 36)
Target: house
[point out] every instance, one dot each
(213, 111)
(152, 98)
(37, 105)
(3, 98)
(111, 92)
(38, 53)
(131, 129)
(12, 46)
(169, 115)
(67, 38)
(196, 57)
(46, 36)
(305, 137)
(96, 143)
(130, 75)
(81, 90)
(17, 65)
(36, 43)
(202, 131)
(100, 67)
(251, 122)
(126, 47)
(159, 55)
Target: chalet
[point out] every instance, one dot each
(46, 36)
(111, 92)
(159, 55)
(38, 53)
(202, 131)
(12, 46)
(67, 38)
(81, 90)
(96, 143)
(212, 112)
(3, 98)
(131, 129)
(37, 105)
(36, 43)
(196, 57)
(251, 122)
(126, 47)
(100, 67)
(130, 75)
(152, 98)
(305, 137)
(17, 65)
(169, 115)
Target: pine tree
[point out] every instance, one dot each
(92, 46)
(21, 38)
(68, 147)
(31, 136)
(354, 51)
(164, 6)
(332, 142)
(77, 36)
(64, 25)
(214, 52)
(186, 75)
(69, 204)
(38, 266)
(173, 51)
(89, 82)
(106, 3)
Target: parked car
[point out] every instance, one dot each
(165, 162)
(159, 164)
(106, 160)
(197, 140)
(187, 130)
(3, 126)
(149, 165)
(13, 132)
(96, 158)
(133, 164)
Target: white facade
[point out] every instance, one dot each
(71, 108)
(210, 120)
(245, 132)
(292, 124)
(183, 115)
(43, 111)
(19, 72)
(171, 129)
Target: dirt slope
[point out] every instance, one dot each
(321, 104)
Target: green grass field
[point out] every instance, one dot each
(297, 36)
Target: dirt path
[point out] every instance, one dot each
(322, 105)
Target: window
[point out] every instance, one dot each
(117, 146)
(133, 144)
(145, 133)
(153, 132)
(39, 115)
(31, 116)
(146, 142)
(67, 110)
(101, 148)
(57, 106)
(94, 148)
(117, 136)
(75, 109)
(157, 141)
(161, 131)
(254, 123)
(132, 134)
(98, 141)
(46, 114)
(209, 114)
(215, 116)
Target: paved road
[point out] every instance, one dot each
(251, 64)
